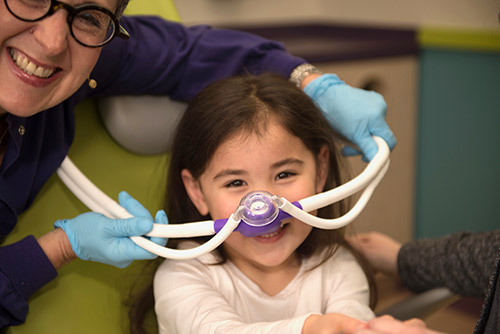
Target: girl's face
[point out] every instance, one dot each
(61, 64)
(277, 162)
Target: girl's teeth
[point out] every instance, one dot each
(271, 234)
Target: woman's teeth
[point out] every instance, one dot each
(28, 67)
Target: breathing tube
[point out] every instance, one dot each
(258, 213)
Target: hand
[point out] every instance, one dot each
(388, 325)
(355, 113)
(331, 323)
(380, 250)
(95, 237)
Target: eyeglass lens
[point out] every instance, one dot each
(89, 26)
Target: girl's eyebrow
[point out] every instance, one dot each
(288, 161)
(229, 172)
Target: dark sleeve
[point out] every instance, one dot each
(462, 262)
(24, 268)
(163, 57)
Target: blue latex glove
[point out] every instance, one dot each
(95, 237)
(355, 113)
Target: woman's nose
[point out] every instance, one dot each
(52, 33)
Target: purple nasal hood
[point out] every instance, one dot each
(259, 214)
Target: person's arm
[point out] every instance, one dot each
(24, 268)
(388, 325)
(29, 264)
(163, 57)
(462, 262)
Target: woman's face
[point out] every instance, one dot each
(50, 65)
(277, 162)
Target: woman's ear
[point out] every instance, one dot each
(323, 163)
(194, 192)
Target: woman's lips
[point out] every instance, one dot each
(29, 67)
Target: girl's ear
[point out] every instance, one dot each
(194, 192)
(323, 163)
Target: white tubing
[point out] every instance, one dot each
(330, 224)
(187, 230)
(98, 201)
(178, 254)
(355, 185)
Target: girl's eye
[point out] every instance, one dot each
(284, 175)
(235, 183)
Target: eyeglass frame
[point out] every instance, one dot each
(55, 5)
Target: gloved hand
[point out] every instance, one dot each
(355, 113)
(95, 237)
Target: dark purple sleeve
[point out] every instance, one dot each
(24, 269)
(163, 57)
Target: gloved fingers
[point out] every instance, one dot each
(135, 226)
(350, 151)
(384, 132)
(135, 252)
(368, 146)
(161, 218)
(133, 206)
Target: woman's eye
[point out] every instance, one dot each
(235, 183)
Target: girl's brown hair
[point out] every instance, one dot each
(245, 104)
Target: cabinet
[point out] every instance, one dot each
(459, 115)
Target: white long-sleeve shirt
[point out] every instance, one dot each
(193, 296)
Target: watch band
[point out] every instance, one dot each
(301, 72)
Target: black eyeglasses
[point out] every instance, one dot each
(90, 25)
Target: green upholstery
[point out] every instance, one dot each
(88, 297)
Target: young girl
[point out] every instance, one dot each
(240, 135)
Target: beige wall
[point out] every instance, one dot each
(391, 209)
(449, 13)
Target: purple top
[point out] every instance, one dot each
(160, 58)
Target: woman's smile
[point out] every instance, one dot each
(29, 66)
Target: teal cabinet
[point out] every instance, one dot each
(458, 157)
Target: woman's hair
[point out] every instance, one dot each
(120, 7)
(245, 105)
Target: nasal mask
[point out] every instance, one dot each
(259, 212)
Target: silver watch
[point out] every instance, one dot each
(301, 72)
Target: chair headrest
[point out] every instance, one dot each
(142, 124)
